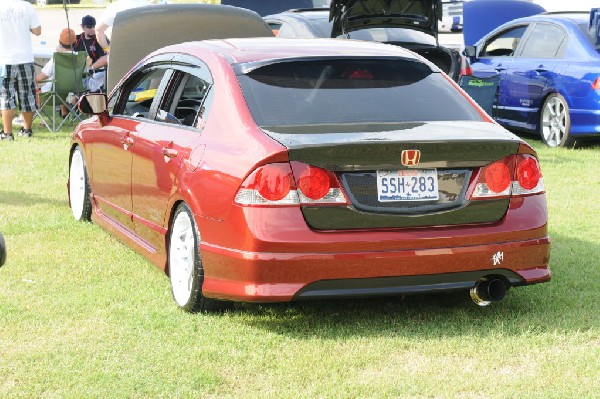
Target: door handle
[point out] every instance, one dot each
(169, 152)
(541, 69)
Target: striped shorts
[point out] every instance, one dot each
(18, 83)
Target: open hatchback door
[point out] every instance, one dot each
(139, 31)
(352, 15)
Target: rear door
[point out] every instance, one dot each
(531, 71)
(494, 58)
(160, 150)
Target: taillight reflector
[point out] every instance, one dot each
(596, 84)
(528, 173)
(497, 177)
(314, 183)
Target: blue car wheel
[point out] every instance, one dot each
(555, 122)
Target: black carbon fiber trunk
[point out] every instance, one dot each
(455, 150)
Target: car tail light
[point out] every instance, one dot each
(596, 84)
(528, 173)
(314, 183)
(271, 184)
(276, 185)
(515, 175)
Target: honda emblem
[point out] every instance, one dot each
(411, 157)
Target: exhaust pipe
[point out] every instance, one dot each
(488, 290)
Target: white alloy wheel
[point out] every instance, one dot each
(182, 259)
(185, 264)
(555, 122)
(79, 191)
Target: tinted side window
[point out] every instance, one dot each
(544, 41)
(504, 44)
(186, 103)
(137, 95)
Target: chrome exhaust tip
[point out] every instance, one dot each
(488, 290)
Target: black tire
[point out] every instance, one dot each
(79, 187)
(2, 250)
(555, 122)
(185, 264)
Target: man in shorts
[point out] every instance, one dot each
(18, 20)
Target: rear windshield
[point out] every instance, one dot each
(583, 27)
(265, 7)
(352, 91)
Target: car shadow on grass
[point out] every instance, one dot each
(567, 303)
(20, 199)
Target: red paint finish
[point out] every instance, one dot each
(140, 169)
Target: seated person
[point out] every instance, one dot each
(66, 41)
(97, 57)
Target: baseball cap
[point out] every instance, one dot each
(88, 20)
(67, 37)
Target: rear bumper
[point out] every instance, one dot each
(276, 277)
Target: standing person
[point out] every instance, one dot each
(18, 20)
(108, 17)
(97, 57)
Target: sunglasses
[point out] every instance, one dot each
(89, 26)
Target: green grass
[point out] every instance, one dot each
(82, 316)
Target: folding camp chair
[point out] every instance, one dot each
(483, 90)
(69, 69)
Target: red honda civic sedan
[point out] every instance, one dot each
(270, 169)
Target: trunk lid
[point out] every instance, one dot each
(355, 153)
(352, 15)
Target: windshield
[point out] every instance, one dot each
(343, 91)
(384, 35)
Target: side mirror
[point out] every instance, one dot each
(93, 103)
(470, 51)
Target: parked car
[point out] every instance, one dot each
(549, 70)
(269, 169)
(415, 28)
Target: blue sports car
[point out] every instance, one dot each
(549, 69)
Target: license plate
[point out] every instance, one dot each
(407, 185)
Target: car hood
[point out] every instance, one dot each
(139, 31)
(352, 15)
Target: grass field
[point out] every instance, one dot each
(82, 316)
